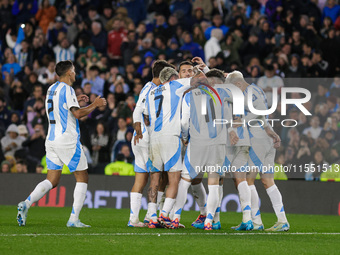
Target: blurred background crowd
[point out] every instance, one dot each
(113, 44)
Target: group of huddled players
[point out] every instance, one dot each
(184, 127)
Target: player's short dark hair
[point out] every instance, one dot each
(158, 67)
(62, 67)
(185, 63)
(215, 73)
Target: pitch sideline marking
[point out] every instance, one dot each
(164, 234)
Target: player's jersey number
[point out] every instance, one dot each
(160, 98)
(50, 111)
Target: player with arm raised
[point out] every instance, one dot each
(264, 142)
(63, 143)
(140, 148)
(186, 70)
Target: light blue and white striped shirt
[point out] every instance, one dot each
(63, 129)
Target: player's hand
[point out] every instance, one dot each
(185, 142)
(137, 137)
(233, 138)
(99, 102)
(139, 133)
(276, 138)
(198, 60)
(83, 97)
(198, 79)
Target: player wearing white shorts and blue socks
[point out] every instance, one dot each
(140, 148)
(262, 155)
(206, 147)
(163, 107)
(142, 162)
(63, 143)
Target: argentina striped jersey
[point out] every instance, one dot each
(63, 128)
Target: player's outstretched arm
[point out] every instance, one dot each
(82, 112)
(198, 79)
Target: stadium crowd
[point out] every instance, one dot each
(113, 44)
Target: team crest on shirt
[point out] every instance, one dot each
(254, 97)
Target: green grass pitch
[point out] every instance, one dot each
(46, 233)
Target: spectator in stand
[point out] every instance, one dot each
(182, 7)
(64, 51)
(49, 76)
(217, 23)
(332, 104)
(295, 70)
(335, 86)
(11, 67)
(212, 46)
(251, 48)
(136, 10)
(115, 39)
(37, 93)
(98, 37)
(119, 82)
(270, 81)
(316, 167)
(12, 141)
(189, 45)
(100, 142)
(119, 167)
(92, 15)
(148, 59)
(122, 129)
(107, 14)
(54, 29)
(318, 67)
(24, 10)
(331, 10)
(5, 115)
(23, 53)
(92, 77)
(45, 15)
(5, 167)
(314, 131)
(125, 109)
(23, 132)
(35, 145)
(160, 27)
(21, 167)
(159, 6)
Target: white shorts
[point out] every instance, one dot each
(142, 161)
(165, 153)
(200, 159)
(236, 159)
(262, 155)
(73, 158)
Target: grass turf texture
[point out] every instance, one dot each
(46, 233)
